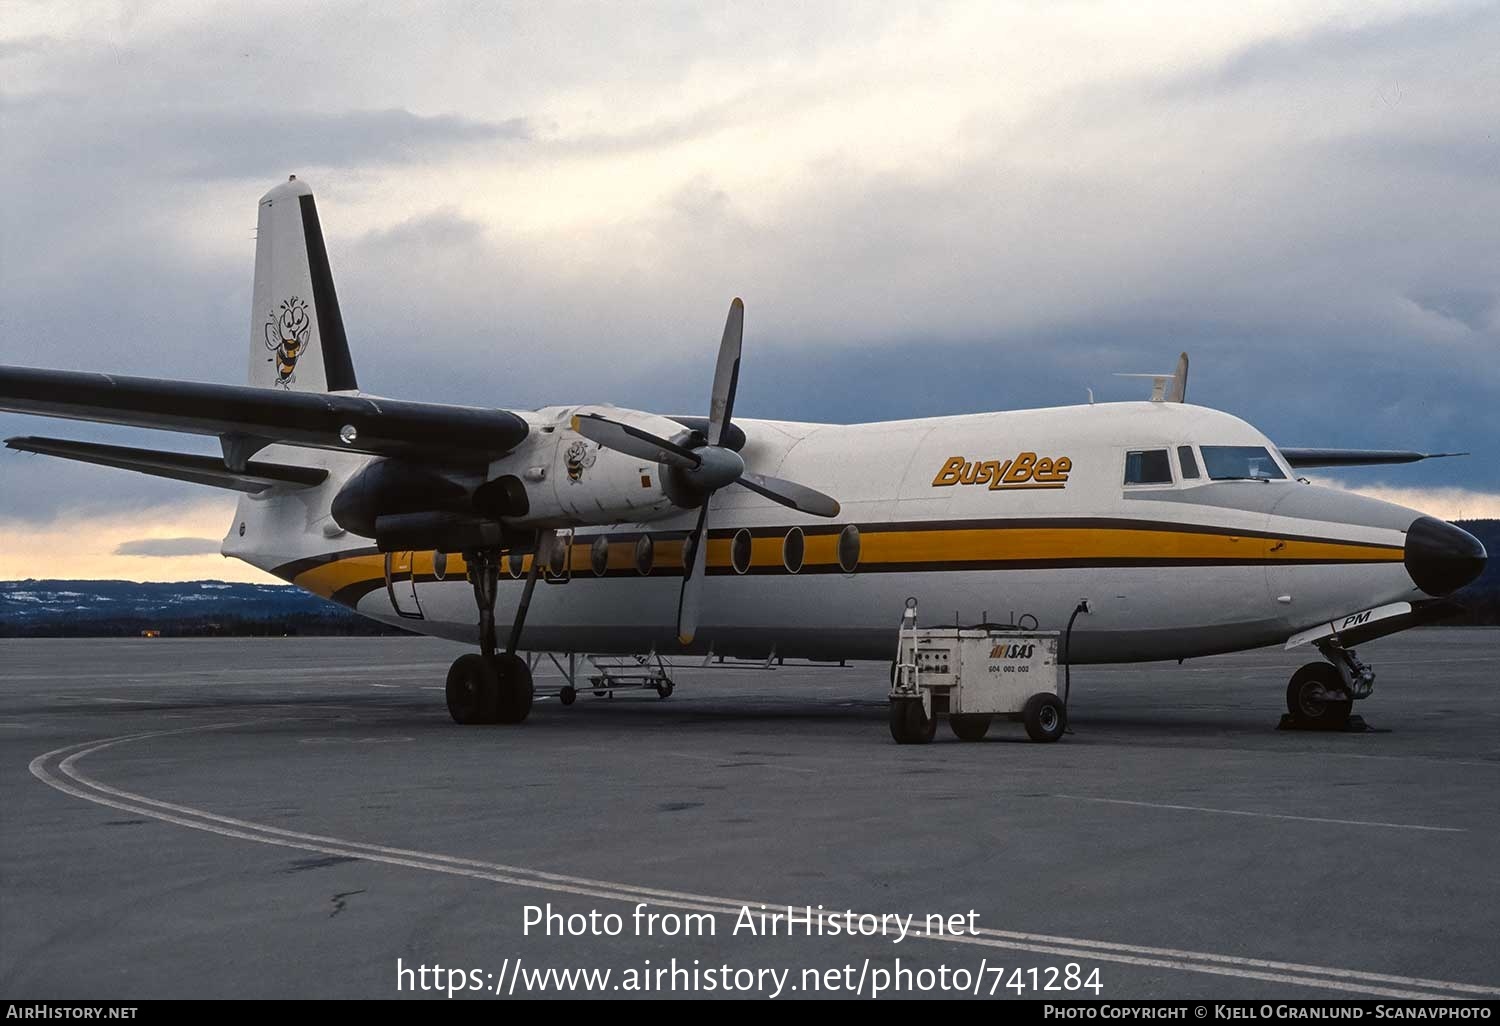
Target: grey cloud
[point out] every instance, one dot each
(26, 45)
(36, 489)
(225, 142)
(1459, 152)
(1385, 45)
(438, 230)
(1473, 308)
(1332, 274)
(167, 547)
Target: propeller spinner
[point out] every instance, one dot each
(706, 468)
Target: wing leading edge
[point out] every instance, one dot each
(248, 418)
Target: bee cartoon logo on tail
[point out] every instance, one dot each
(286, 337)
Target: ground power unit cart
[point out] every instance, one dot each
(972, 675)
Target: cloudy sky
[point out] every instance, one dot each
(932, 208)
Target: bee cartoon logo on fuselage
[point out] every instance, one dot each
(287, 333)
(578, 458)
(1023, 471)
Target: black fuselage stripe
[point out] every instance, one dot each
(350, 594)
(297, 567)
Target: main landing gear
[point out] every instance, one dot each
(486, 687)
(1321, 695)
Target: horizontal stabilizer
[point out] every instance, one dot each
(205, 470)
(1357, 457)
(348, 423)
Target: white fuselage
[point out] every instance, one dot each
(1187, 568)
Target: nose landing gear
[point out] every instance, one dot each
(1315, 697)
(1321, 695)
(487, 687)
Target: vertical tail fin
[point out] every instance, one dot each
(297, 336)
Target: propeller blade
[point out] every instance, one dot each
(799, 497)
(692, 581)
(633, 441)
(726, 374)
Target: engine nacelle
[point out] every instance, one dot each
(555, 478)
(571, 481)
(393, 487)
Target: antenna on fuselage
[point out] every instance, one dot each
(1167, 388)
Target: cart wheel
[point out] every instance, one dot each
(909, 725)
(665, 689)
(568, 695)
(972, 727)
(1045, 717)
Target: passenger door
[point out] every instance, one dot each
(401, 585)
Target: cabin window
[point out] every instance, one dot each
(739, 551)
(1240, 463)
(1148, 466)
(645, 553)
(440, 565)
(1186, 461)
(514, 564)
(793, 550)
(599, 555)
(559, 555)
(849, 549)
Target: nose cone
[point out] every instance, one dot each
(1440, 557)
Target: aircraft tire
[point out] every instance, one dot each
(972, 727)
(1044, 717)
(472, 690)
(568, 695)
(909, 726)
(514, 689)
(1305, 701)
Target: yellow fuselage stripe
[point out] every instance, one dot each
(938, 548)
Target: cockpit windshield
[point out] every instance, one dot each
(1240, 463)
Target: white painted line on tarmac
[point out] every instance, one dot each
(1265, 815)
(739, 759)
(1322, 977)
(111, 701)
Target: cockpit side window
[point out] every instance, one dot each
(1148, 466)
(1240, 463)
(1187, 462)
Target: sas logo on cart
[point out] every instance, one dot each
(1023, 471)
(1013, 650)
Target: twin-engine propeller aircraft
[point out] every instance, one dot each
(1185, 528)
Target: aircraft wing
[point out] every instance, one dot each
(1357, 457)
(206, 470)
(248, 418)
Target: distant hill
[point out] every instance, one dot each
(208, 608)
(1481, 599)
(189, 609)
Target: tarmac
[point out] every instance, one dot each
(291, 817)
